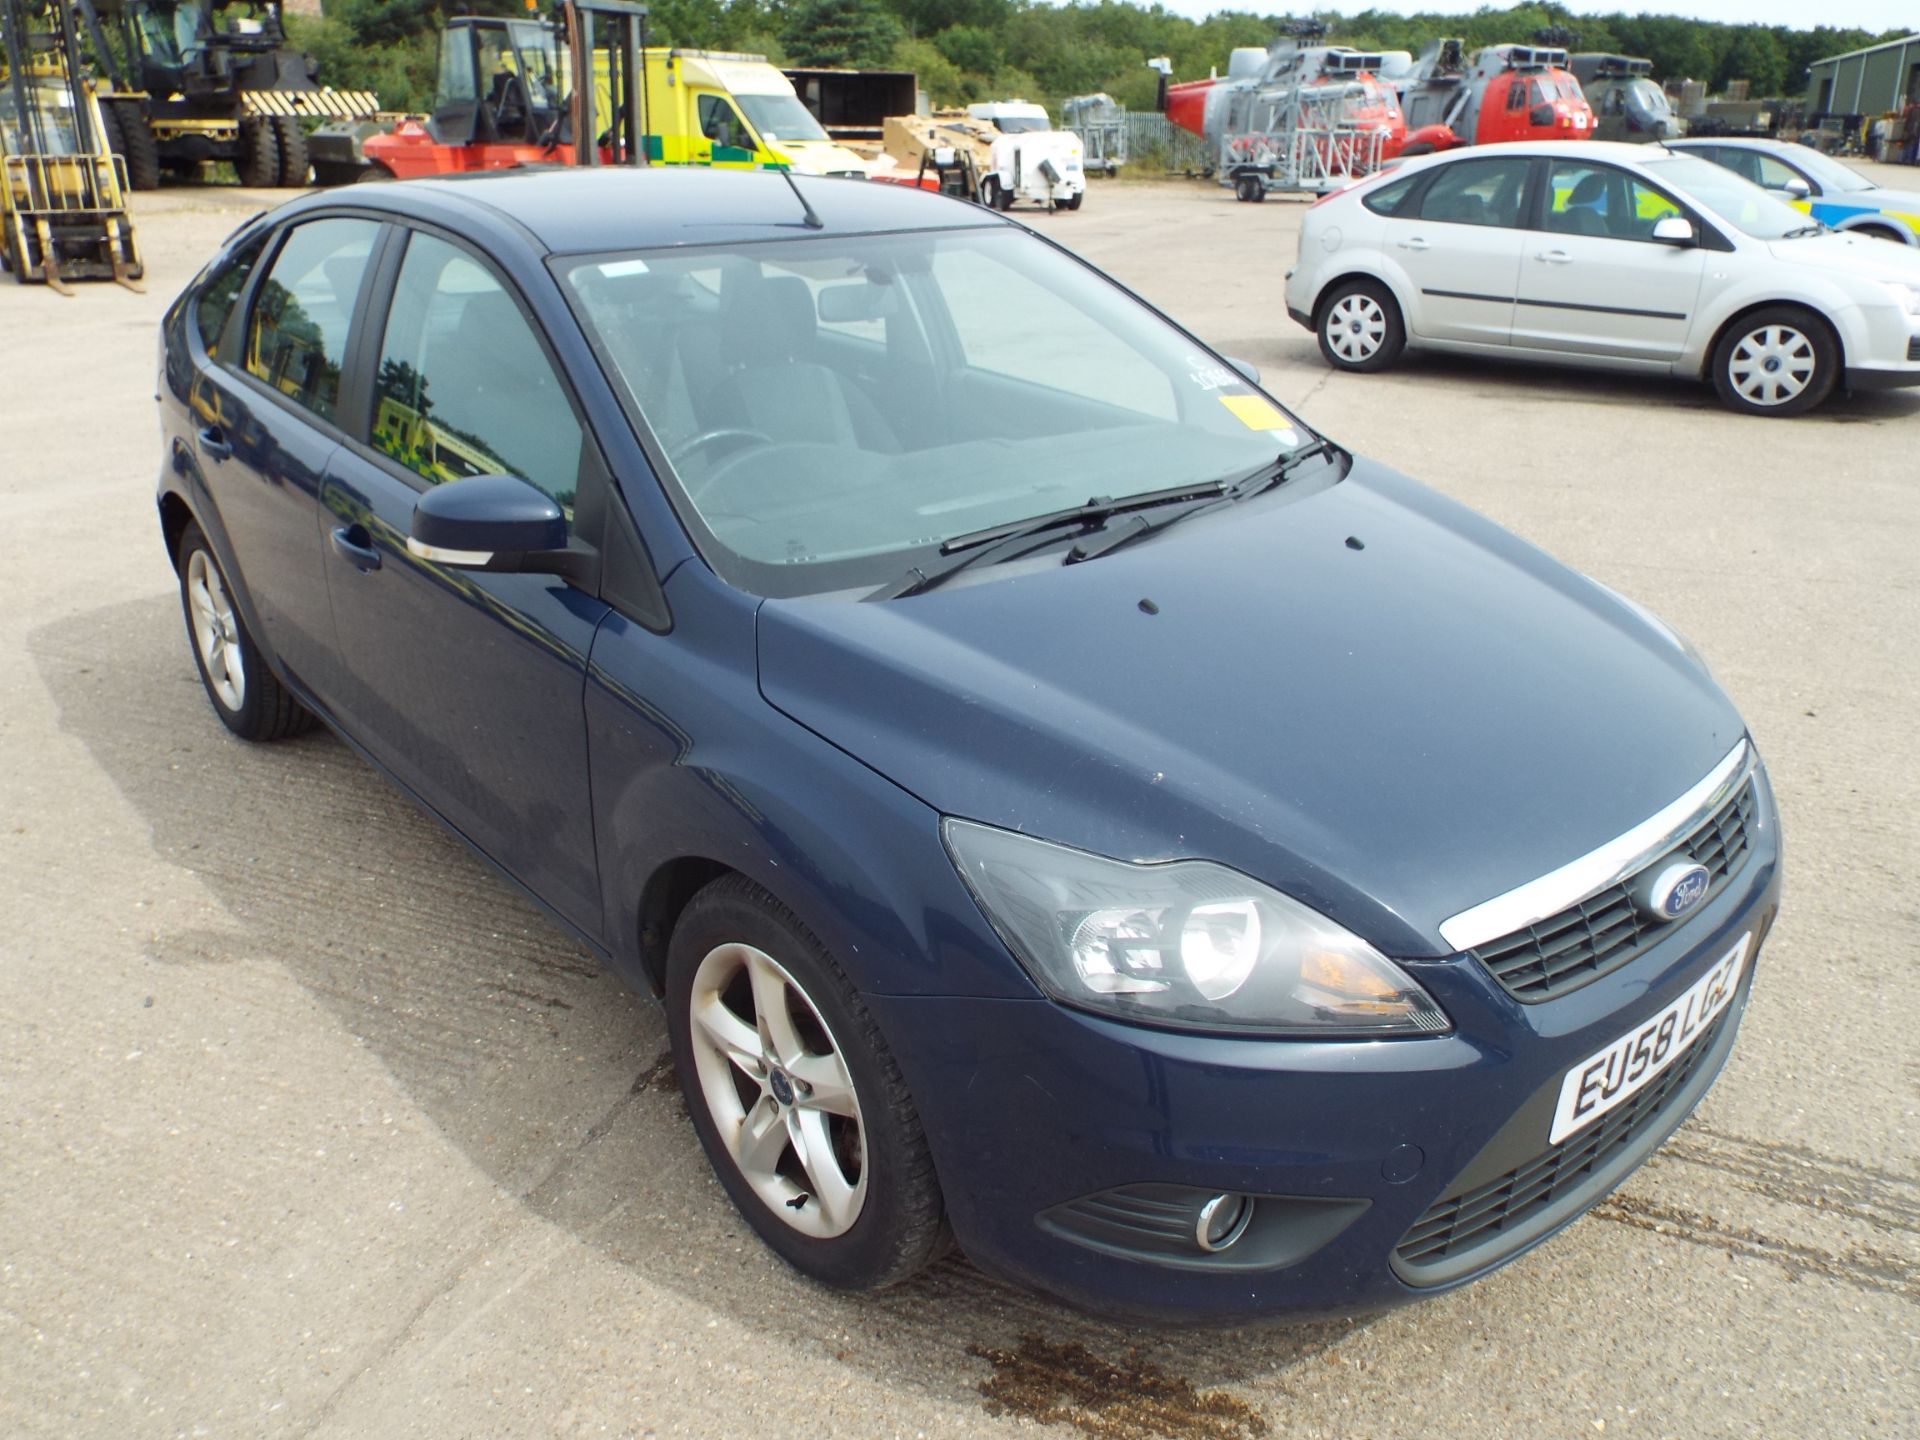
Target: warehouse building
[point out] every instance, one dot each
(1866, 82)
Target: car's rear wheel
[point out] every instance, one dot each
(244, 693)
(1360, 327)
(1778, 361)
(795, 1096)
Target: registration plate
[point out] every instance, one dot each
(1610, 1076)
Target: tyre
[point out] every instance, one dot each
(1359, 326)
(131, 138)
(795, 1096)
(1074, 203)
(249, 700)
(292, 143)
(1781, 360)
(374, 173)
(1247, 187)
(258, 165)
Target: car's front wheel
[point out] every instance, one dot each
(1778, 361)
(795, 1095)
(1360, 327)
(246, 696)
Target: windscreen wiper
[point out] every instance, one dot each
(1798, 231)
(1004, 542)
(1245, 488)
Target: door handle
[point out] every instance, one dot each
(214, 443)
(353, 542)
(1413, 243)
(1555, 257)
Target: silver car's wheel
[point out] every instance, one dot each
(1356, 328)
(1777, 361)
(778, 1090)
(1772, 365)
(216, 631)
(1360, 327)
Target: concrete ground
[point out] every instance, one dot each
(309, 1127)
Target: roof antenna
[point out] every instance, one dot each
(813, 221)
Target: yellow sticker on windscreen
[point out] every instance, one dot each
(1255, 412)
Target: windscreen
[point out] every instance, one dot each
(1019, 124)
(1739, 202)
(1648, 98)
(828, 408)
(780, 117)
(1831, 174)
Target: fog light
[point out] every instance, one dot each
(1222, 1220)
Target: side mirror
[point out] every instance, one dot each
(1248, 370)
(1797, 188)
(1540, 115)
(491, 522)
(1675, 230)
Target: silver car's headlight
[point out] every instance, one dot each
(1186, 943)
(1907, 297)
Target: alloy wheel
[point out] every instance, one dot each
(778, 1090)
(1356, 327)
(216, 631)
(1772, 365)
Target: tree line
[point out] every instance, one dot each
(967, 50)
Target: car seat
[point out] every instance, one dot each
(1585, 212)
(769, 335)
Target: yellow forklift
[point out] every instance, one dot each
(63, 192)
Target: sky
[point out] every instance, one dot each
(1876, 15)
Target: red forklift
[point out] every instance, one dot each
(530, 92)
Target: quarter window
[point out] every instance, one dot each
(464, 387)
(221, 290)
(1387, 199)
(297, 333)
(1477, 192)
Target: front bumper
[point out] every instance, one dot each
(1038, 1113)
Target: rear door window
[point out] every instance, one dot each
(1387, 199)
(297, 332)
(1477, 192)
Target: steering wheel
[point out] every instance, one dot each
(730, 435)
(714, 437)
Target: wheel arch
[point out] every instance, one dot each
(664, 897)
(1753, 307)
(1360, 272)
(1880, 227)
(175, 516)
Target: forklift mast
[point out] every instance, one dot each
(63, 211)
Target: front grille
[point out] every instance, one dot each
(1913, 348)
(1480, 1218)
(1589, 939)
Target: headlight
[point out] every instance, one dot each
(1187, 943)
(1907, 297)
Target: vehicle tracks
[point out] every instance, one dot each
(1833, 1190)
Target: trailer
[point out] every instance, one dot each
(853, 105)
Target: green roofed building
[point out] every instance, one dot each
(1866, 82)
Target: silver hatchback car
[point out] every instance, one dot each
(1623, 257)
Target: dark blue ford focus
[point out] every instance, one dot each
(1068, 807)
